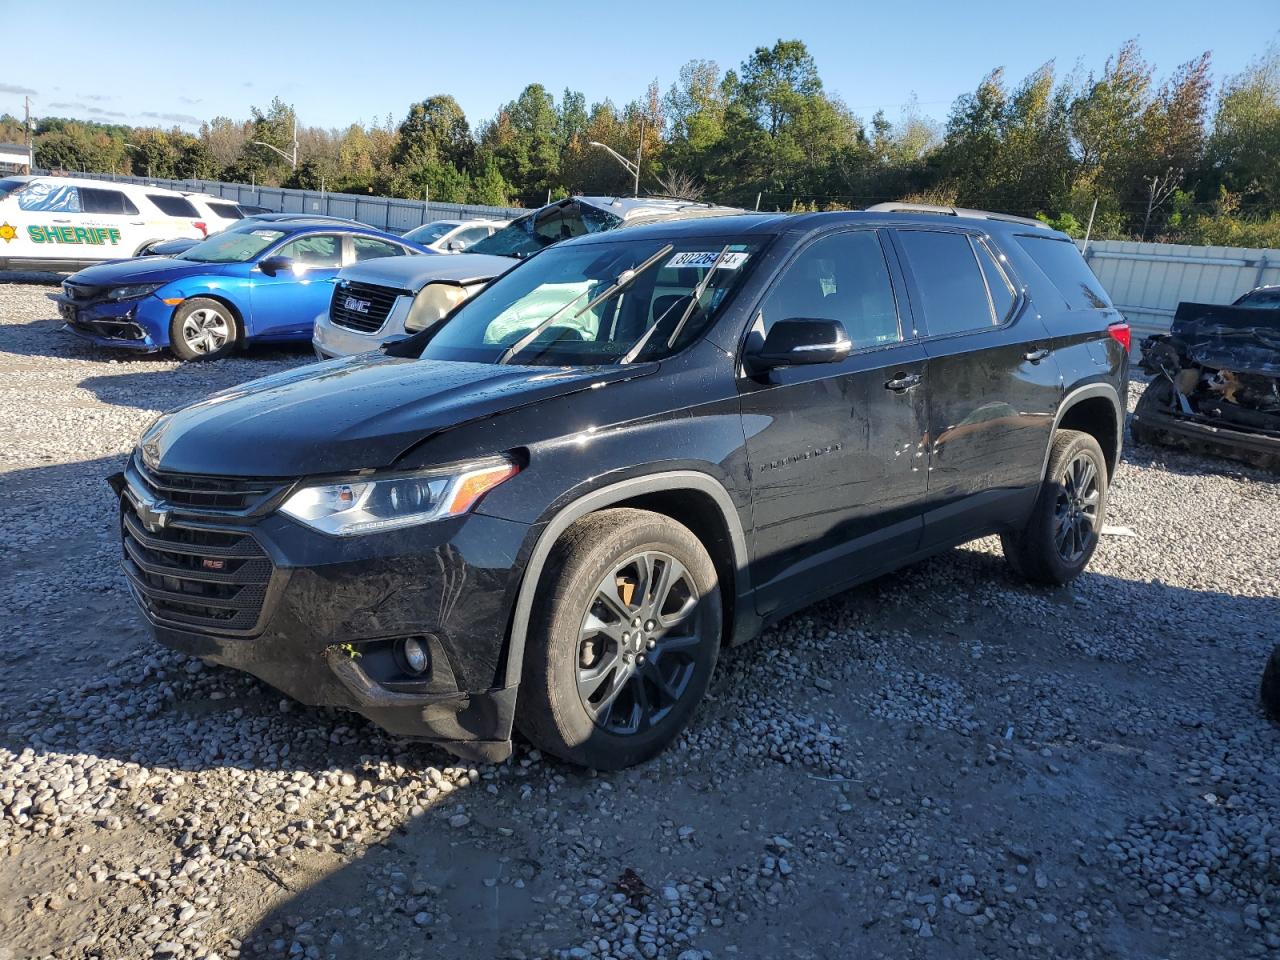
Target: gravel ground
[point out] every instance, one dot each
(945, 763)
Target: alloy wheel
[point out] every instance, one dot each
(638, 642)
(206, 330)
(1075, 514)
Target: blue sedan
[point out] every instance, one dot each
(258, 281)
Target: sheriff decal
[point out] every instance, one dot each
(98, 236)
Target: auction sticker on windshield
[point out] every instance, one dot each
(697, 258)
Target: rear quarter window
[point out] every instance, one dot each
(228, 210)
(1060, 261)
(174, 206)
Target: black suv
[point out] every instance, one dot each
(550, 510)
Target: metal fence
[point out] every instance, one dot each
(393, 214)
(1147, 281)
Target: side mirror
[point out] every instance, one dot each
(277, 264)
(791, 343)
(453, 246)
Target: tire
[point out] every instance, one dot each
(1073, 498)
(1271, 686)
(1157, 396)
(579, 641)
(203, 329)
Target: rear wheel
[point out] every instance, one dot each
(623, 641)
(202, 329)
(1059, 539)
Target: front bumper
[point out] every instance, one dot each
(330, 340)
(1201, 435)
(451, 583)
(128, 324)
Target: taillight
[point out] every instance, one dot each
(202, 227)
(1121, 334)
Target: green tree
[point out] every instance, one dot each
(435, 132)
(523, 141)
(1244, 147)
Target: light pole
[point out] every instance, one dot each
(291, 157)
(631, 168)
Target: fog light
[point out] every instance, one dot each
(415, 655)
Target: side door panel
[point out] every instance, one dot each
(837, 460)
(285, 306)
(993, 395)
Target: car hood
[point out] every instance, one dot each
(1238, 339)
(414, 273)
(143, 270)
(351, 414)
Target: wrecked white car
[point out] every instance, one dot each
(1217, 380)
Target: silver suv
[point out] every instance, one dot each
(376, 301)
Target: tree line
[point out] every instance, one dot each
(1177, 157)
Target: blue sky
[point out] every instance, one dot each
(341, 62)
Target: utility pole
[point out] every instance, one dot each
(631, 168)
(31, 150)
(291, 157)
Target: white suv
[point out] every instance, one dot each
(64, 223)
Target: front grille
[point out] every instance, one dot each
(362, 307)
(190, 576)
(205, 493)
(82, 292)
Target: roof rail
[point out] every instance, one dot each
(898, 207)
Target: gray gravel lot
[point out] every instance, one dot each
(945, 763)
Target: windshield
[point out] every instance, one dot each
(532, 232)
(10, 187)
(1265, 299)
(430, 232)
(237, 245)
(567, 286)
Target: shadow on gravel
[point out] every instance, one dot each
(48, 338)
(30, 278)
(191, 381)
(162, 711)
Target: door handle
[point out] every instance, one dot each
(56, 220)
(138, 223)
(1035, 356)
(902, 382)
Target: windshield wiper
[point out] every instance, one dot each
(698, 291)
(623, 279)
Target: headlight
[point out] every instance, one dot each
(133, 292)
(388, 503)
(433, 302)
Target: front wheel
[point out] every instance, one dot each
(623, 641)
(202, 329)
(1059, 539)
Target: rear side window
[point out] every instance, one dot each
(1061, 262)
(841, 277)
(227, 210)
(93, 200)
(174, 206)
(949, 280)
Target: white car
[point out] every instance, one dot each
(453, 236)
(65, 223)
